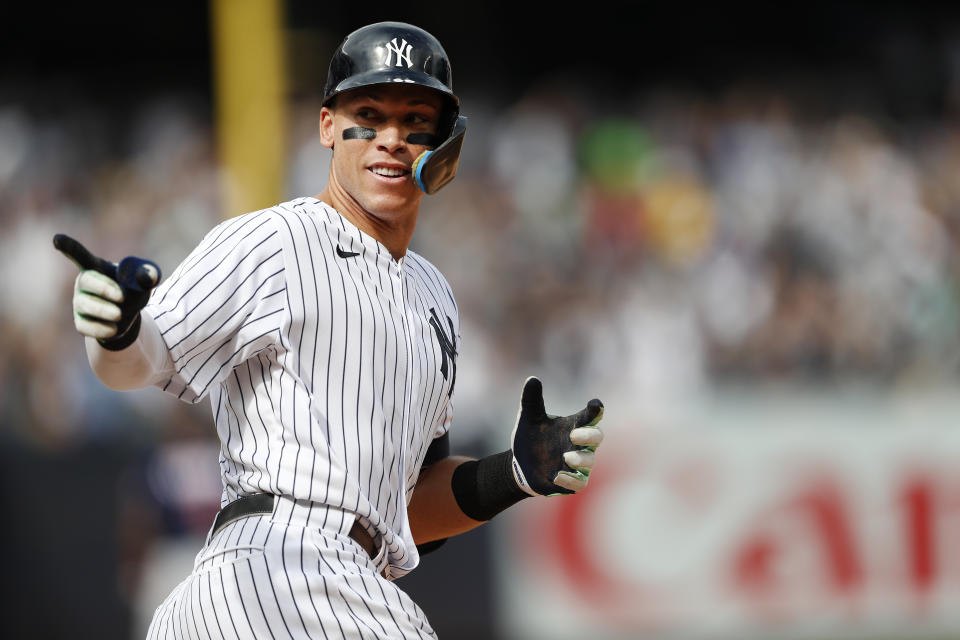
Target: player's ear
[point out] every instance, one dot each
(326, 127)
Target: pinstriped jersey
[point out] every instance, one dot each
(329, 365)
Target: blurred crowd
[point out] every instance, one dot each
(641, 251)
(140, 183)
(681, 243)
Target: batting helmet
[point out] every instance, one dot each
(389, 52)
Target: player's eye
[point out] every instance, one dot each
(366, 113)
(419, 119)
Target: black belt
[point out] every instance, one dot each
(261, 503)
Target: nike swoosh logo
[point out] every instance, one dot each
(345, 254)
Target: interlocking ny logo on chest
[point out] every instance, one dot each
(448, 349)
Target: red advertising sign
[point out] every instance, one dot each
(740, 532)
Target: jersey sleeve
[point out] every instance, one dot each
(223, 304)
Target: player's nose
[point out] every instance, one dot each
(391, 138)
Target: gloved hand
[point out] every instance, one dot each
(551, 454)
(108, 297)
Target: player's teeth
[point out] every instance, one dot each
(392, 173)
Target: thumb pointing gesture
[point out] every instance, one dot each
(552, 454)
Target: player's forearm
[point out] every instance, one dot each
(433, 511)
(142, 364)
(457, 494)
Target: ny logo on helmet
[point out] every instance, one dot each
(402, 50)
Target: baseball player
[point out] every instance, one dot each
(329, 353)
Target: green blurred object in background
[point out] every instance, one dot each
(615, 155)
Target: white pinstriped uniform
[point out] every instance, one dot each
(328, 380)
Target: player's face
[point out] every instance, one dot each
(375, 173)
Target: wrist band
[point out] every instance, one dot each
(483, 488)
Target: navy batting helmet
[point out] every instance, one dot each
(388, 52)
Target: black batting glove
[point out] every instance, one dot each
(551, 454)
(107, 296)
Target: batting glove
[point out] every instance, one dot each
(553, 455)
(107, 296)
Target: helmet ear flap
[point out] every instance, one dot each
(434, 169)
(448, 119)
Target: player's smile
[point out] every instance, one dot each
(392, 173)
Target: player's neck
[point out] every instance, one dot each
(395, 235)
